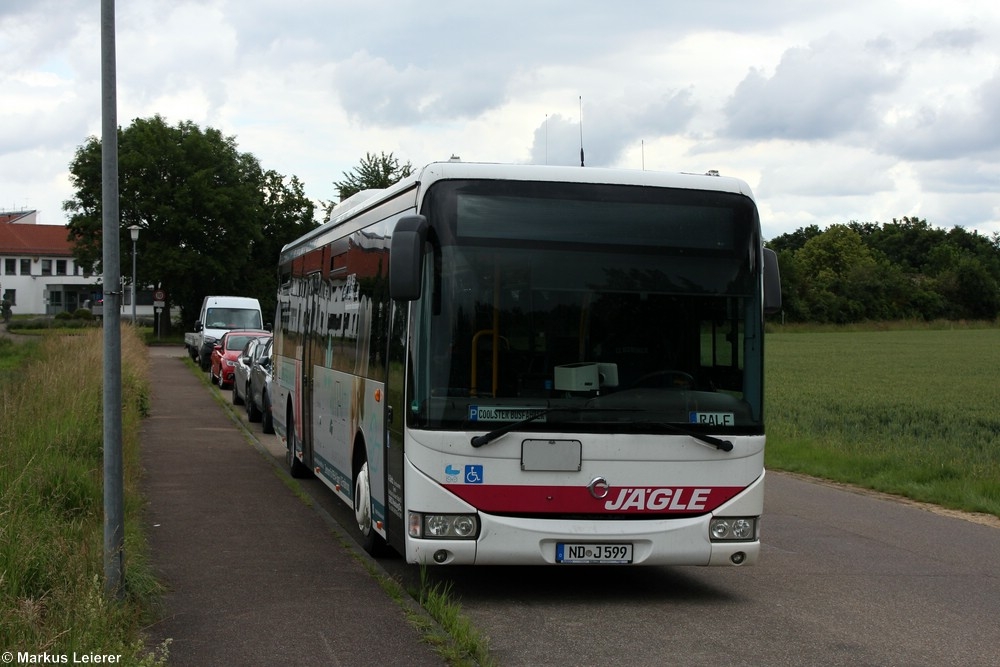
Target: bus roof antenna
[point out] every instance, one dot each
(581, 130)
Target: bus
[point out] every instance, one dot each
(522, 364)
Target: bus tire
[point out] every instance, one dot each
(371, 541)
(296, 468)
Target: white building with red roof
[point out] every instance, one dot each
(38, 274)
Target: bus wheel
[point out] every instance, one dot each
(371, 541)
(296, 468)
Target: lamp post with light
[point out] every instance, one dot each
(134, 231)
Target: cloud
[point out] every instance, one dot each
(957, 39)
(375, 92)
(825, 171)
(609, 128)
(830, 111)
(820, 92)
(947, 127)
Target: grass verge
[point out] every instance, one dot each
(51, 504)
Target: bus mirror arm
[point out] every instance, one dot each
(406, 257)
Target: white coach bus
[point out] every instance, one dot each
(512, 364)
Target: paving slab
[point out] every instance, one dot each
(254, 575)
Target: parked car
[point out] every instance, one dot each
(241, 371)
(218, 315)
(227, 350)
(259, 388)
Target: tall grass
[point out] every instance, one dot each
(13, 356)
(51, 504)
(906, 412)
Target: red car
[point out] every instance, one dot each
(227, 351)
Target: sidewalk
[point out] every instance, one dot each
(13, 336)
(254, 576)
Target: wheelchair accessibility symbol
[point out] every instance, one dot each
(474, 474)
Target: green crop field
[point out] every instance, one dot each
(914, 413)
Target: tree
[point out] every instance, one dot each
(900, 270)
(213, 221)
(793, 241)
(828, 262)
(373, 172)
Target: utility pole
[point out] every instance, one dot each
(114, 504)
(133, 230)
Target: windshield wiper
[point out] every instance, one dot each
(487, 438)
(718, 443)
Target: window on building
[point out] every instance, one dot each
(10, 266)
(60, 267)
(46, 267)
(25, 267)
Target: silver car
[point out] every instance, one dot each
(241, 372)
(258, 389)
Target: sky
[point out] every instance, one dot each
(854, 110)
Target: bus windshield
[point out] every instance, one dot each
(631, 307)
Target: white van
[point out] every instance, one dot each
(218, 315)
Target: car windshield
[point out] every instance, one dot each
(630, 306)
(237, 342)
(232, 318)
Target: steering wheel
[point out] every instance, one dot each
(665, 379)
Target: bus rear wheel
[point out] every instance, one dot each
(371, 541)
(296, 468)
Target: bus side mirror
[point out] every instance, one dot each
(772, 283)
(406, 257)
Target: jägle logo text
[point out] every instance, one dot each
(659, 499)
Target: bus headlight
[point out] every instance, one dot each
(733, 529)
(443, 526)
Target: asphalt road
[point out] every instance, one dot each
(846, 578)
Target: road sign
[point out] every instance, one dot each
(159, 298)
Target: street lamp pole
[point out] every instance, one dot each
(134, 231)
(114, 502)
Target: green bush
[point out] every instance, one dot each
(60, 321)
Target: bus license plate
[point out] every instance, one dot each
(591, 554)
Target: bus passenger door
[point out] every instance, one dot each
(312, 343)
(395, 383)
